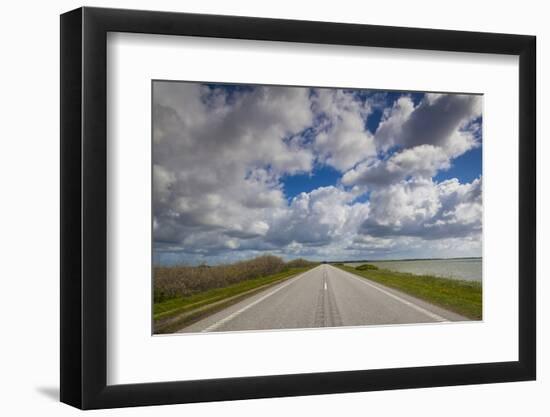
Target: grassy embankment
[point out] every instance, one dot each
(462, 297)
(184, 294)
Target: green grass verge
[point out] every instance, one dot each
(462, 297)
(196, 306)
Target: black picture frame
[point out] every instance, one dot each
(84, 207)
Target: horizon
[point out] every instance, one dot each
(332, 261)
(315, 173)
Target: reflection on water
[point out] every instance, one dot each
(467, 269)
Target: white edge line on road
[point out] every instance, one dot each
(242, 310)
(428, 313)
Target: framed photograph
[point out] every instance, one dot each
(257, 208)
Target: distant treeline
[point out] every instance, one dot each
(181, 281)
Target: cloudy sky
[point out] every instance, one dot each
(325, 174)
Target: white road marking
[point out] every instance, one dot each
(428, 313)
(325, 285)
(242, 310)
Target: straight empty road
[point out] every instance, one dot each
(324, 296)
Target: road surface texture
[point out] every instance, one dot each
(324, 296)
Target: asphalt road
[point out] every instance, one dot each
(324, 296)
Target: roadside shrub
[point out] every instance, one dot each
(366, 267)
(299, 263)
(181, 281)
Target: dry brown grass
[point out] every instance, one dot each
(182, 281)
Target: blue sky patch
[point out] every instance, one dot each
(322, 176)
(465, 168)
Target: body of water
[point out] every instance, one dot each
(468, 269)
